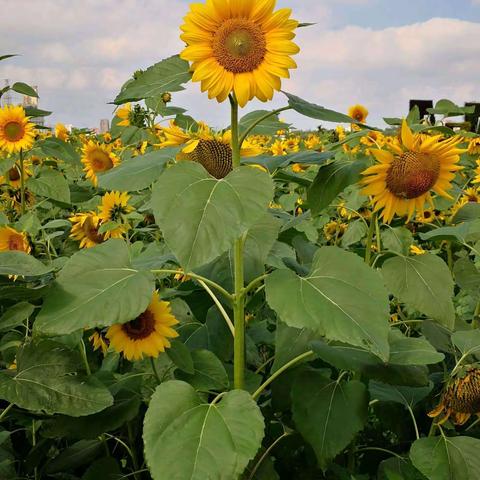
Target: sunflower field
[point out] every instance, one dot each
(257, 302)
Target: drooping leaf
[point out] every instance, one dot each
(24, 89)
(467, 341)
(269, 126)
(16, 315)
(20, 263)
(407, 396)
(169, 75)
(50, 184)
(214, 440)
(447, 458)
(331, 180)
(328, 413)
(56, 148)
(467, 276)
(412, 350)
(422, 282)
(137, 173)
(96, 287)
(190, 205)
(342, 299)
(47, 379)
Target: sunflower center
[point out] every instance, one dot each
(13, 174)
(140, 328)
(464, 394)
(116, 212)
(215, 156)
(239, 45)
(13, 131)
(412, 174)
(101, 161)
(15, 242)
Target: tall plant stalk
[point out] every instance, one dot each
(239, 297)
(22, 184)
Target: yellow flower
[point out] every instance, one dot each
(292, 144)
(113, 208)
(278, 148)
(299, 168)
(428, 216)
(11, 240)
(85, 229)
(471, 195)
(461, 398)
(148, 334)
(474, 146)
(16, 132)
(414, 250)
(124, 113)
(99, 342)
(340, 131)
(334, 230)
(107, 137)
(12, 176)
(312, 142)
(61, 132)
(98, 158)
(358, 113)
(239, 46)
(402, 180)
(477, 171)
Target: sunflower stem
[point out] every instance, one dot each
(83, 353)
(238, 299)
(371, 230)
(22, 184)
(155, 371)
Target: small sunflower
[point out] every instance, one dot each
(210, 149)
(428, 216)
(416, 250)
(99, 341)
(461, 398)
(474, 146)
(61, 132)
(11, 240)
(13, 176)
(334, 230)
(16, 132)
(148, 334)
(85, 229)
(278, 148)
(358, 113)
(98, 158)
(239, 46)
(113, 209)
(124, 114)
(471, 195)
(402, 181)
(477, 172)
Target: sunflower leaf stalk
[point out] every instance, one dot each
(22, 183)
(239, 298)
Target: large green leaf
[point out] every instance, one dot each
(268, 126)
(56, 148)
(397, 240)
(16, 315)
(422, 282)
(342, 299)
(200, 216)
(51, 184)
(169, 75)
(467, 276)
(24, 89)
(412, 350)
(20, 263)
(96, 287)
(407, 396)
(137, 173)
(447, 458)
(331, 180)
(47, 379)
(467, 341)
(328, 413)
(214, 440)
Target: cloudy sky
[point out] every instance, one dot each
(379, 53)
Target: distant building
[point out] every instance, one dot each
(104, 125)
(30, 101)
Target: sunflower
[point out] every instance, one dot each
(85, 229)
(477, 172)
(471, 195)
(402, 181)
(10, 239)
(416, 250)
(428, 216)
(334, 230)
(278, 148)
(204, 146)
(474, 146)
(61, 132)
(358, 112)
(13, 176)
(124, 113)
(241, 46)
(461, 398)
(16, 132)
(113, 208)
(99, 341)
(98, 158)
(147, 334)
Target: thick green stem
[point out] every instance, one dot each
(22, 184)
(239, 298)
(371, 230)
(83, 354)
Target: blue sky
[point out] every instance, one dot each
(377, 52)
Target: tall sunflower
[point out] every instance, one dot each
(358, 112)
(85, 229)
(16, 132)
(10, 239)
(239, 46)
(210, 149)
(403, 180)
(98, 158)
(61, 132)
(148, 334)
(113, 209)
